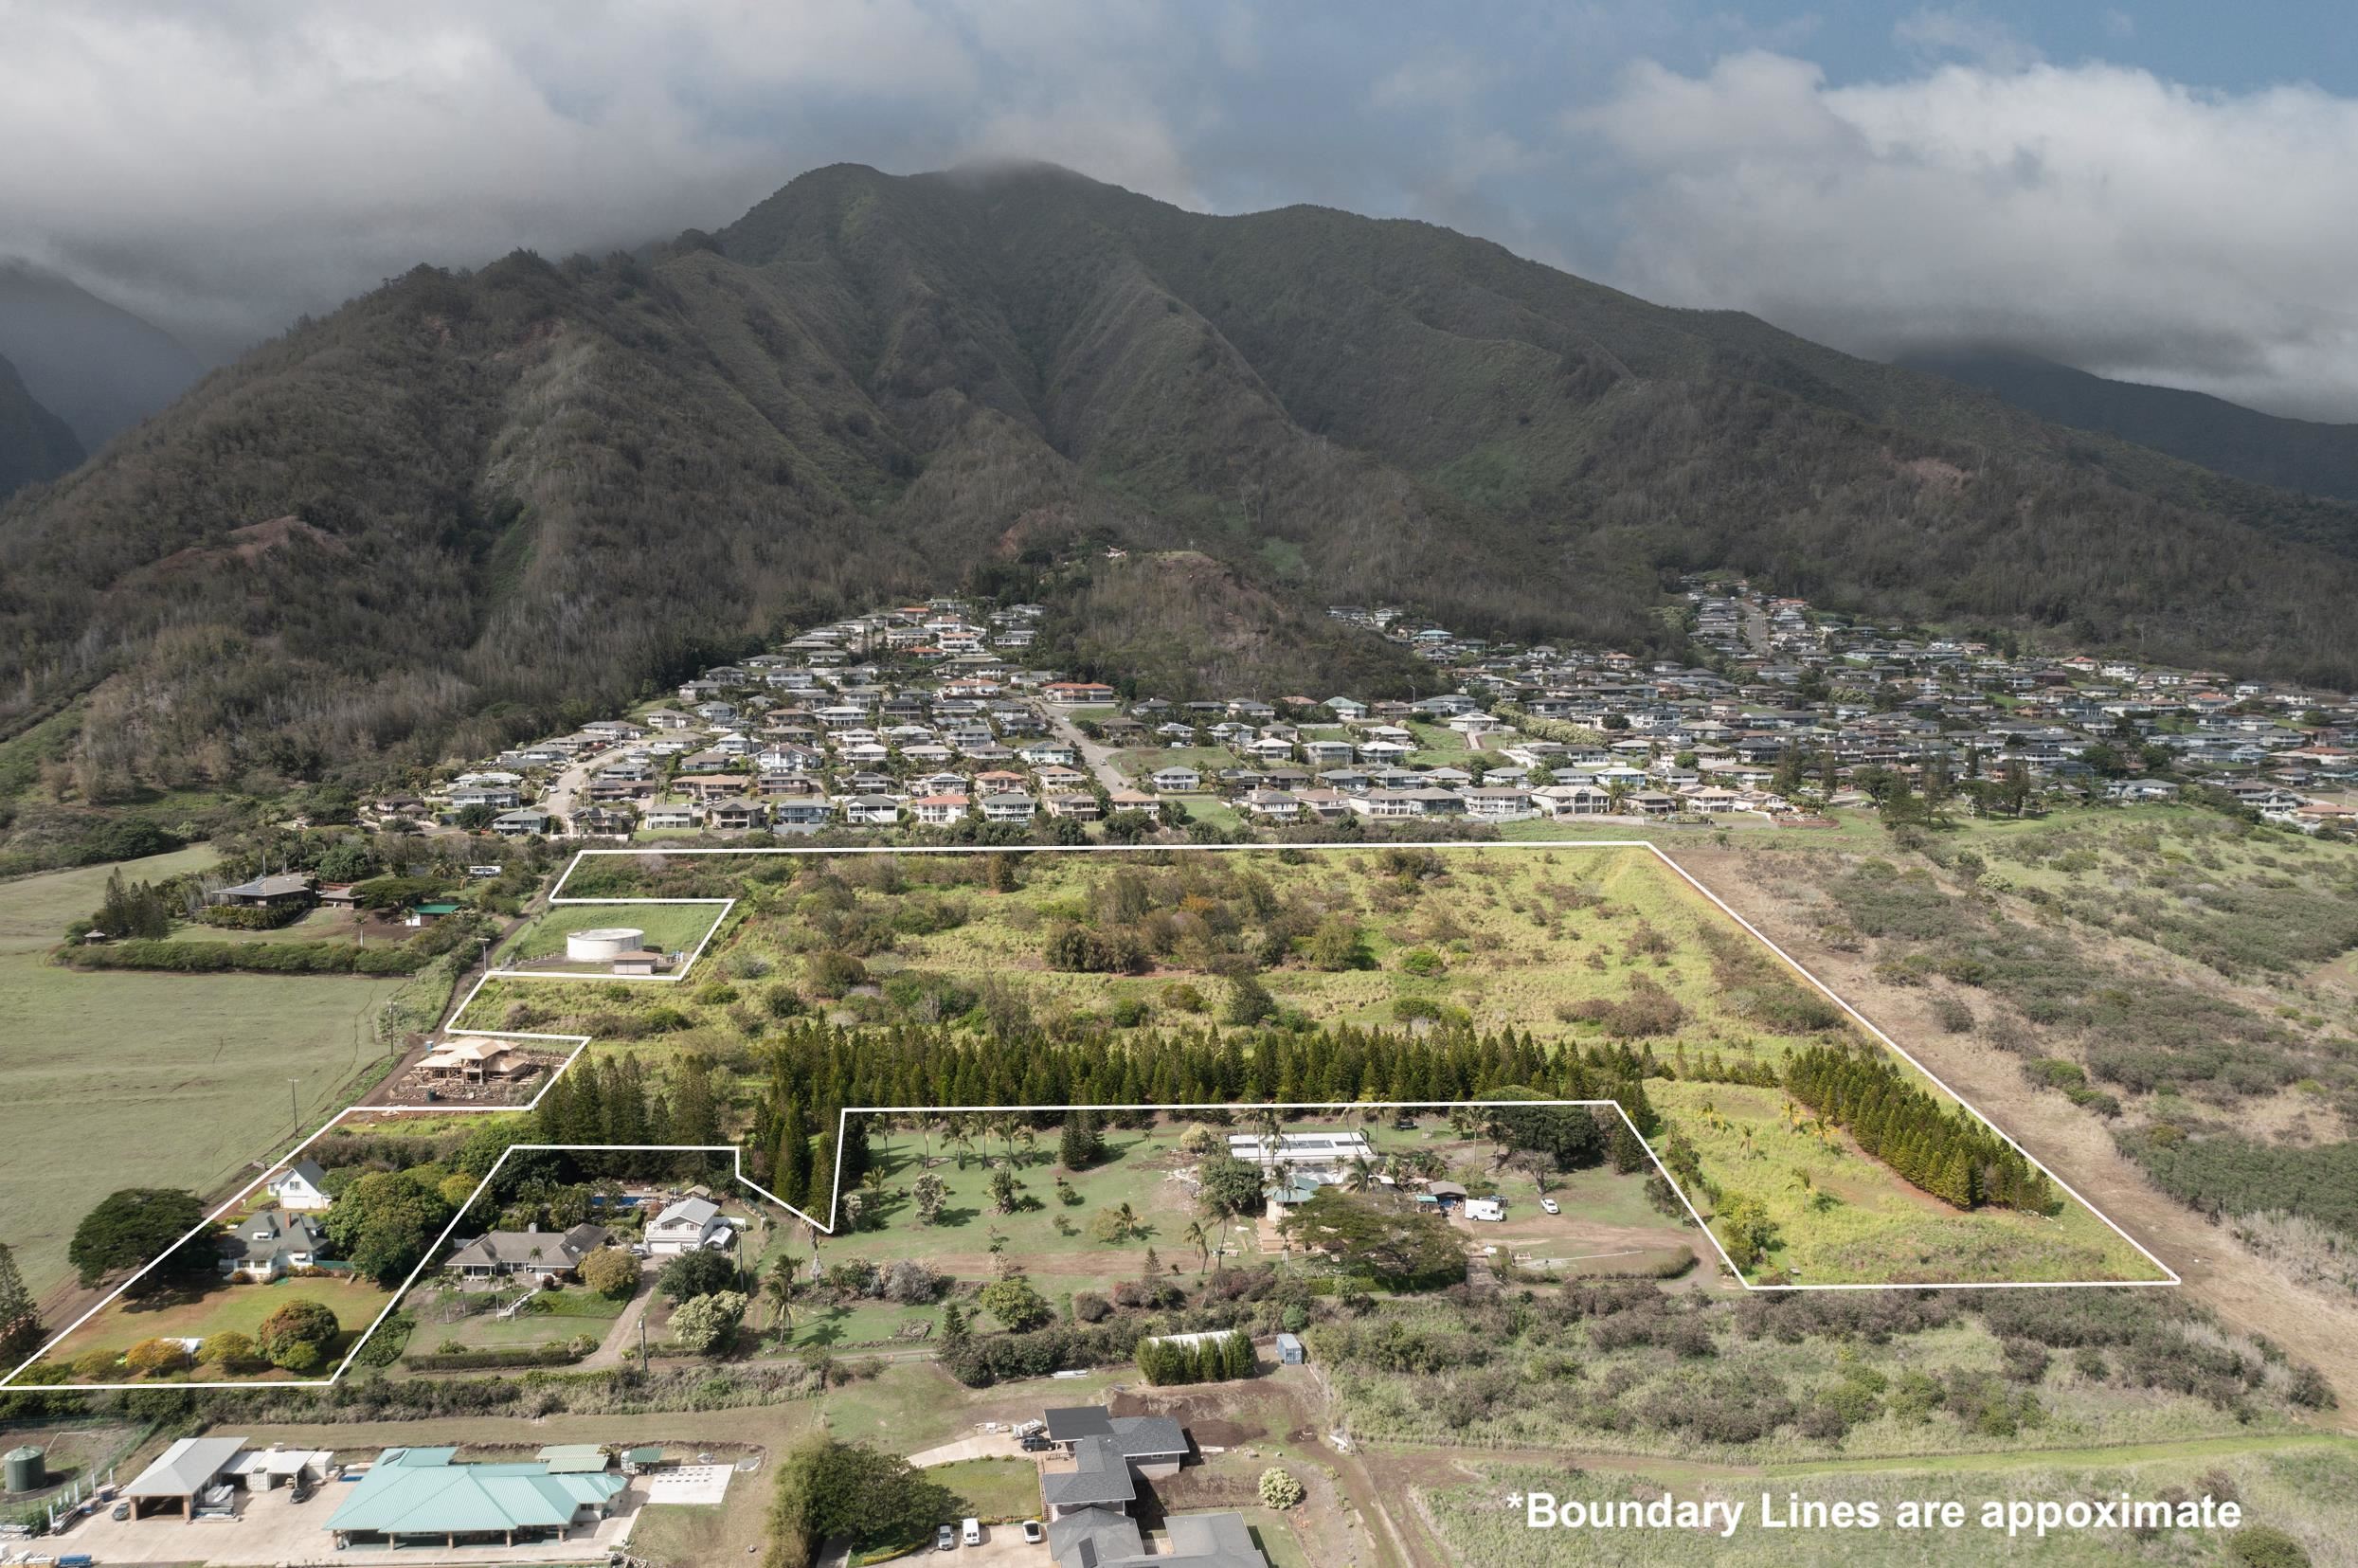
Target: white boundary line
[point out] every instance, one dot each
(582, 1043)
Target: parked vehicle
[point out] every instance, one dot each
(1549, 1205)
(1033, 1533)
(971, 1532)
(945, 1540)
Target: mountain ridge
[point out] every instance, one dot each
(2313, 456)
(549, 487)
(35, 444)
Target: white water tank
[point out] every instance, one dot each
(604, 943)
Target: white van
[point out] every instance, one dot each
(971, 1532)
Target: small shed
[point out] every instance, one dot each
(574, 1459)
(1290, 1350)
(640, 1461)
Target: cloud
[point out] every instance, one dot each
(221, 169)
(2093, 214)
(1963, 32)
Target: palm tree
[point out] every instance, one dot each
(1029, 1140)
(1195, 1237)
(1361, 1176)
(778, 1290)
(1269, 1124)
(1126, 1217)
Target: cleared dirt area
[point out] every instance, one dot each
(2245, 1290)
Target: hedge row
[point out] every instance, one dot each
(239, 917)
(479, 1360)
(270, 958)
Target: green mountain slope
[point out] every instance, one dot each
(2292, 454)
(467, 504)
(35, 444)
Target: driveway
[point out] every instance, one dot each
(623, 1338)
(989, 1444)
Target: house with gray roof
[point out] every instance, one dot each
(265, 1245)
(501, 1255)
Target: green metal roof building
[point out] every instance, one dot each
(419, 1496)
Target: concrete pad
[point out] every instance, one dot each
(697, 1485)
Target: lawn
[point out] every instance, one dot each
(242, 1307)
(316, 925)
(1053, 1239)
(557, 1316)
(1139, 762)
(191, 1071)
(669, 927)
(993, 1490)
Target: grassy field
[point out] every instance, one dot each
(1852, 1222)
(993, 1489)
(1053, 1239)
(2305, 1489)
(242, 1307)
(669, 927)
(191, 1071)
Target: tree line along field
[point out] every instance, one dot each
(1600, 948)
(189, 1070)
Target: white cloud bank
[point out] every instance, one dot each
(2091, 213)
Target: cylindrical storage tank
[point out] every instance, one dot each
(27, 1472)
(604, 943)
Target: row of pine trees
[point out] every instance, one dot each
(1947, 1153)
(1215, 1358)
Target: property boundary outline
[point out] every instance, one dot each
(582, 1042)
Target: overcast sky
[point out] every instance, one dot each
(2162, 192)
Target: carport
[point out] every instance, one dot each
(182, 1474)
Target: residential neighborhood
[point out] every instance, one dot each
(932, 719)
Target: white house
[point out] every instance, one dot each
(687, 1226)
(301, 1188)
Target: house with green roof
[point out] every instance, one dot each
(423, 1497)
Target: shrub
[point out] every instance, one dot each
(1279, 1490)
(227, 1349)
(611, 1271)
(150, 1356)
(707, 1326)
(298, 1335)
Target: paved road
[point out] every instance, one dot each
(1095, 756)
(566, 789)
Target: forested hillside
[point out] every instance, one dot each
(469, 504)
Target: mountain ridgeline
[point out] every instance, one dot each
(468, 504)
(2296, 454)
(35, 444)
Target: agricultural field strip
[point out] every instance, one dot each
(582, 1042)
